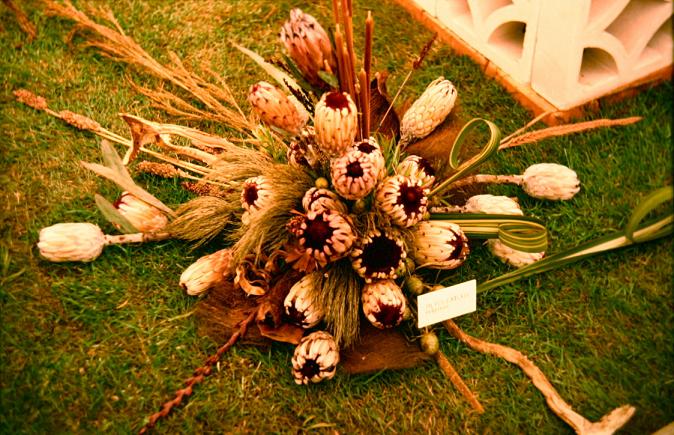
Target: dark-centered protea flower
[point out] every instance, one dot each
(370, 149)
(257, 194)
(322, 237)
(308, 45)
(299, 305)
(439, 245)
(315, 358)
(378, 255)
(353, 175)
(276, 108)
(319, 200)
(384, 303)
(402, 199)
(336, 122)
(418, 168)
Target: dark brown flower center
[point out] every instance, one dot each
(310, 368)
(354, 170)
(337, 101)
(381, 255)
(411, 198)
(250, 194)
(295, 316)
(318, 232)
(365, 147)
(457, 244)
(388, 315)
(425, 165)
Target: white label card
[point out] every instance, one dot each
(449, 302)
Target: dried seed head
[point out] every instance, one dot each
(550, 181)
(384, 304)
(315, 358)
(71, 242)
(277, 109)
(30, 99)
(440, 245)
(336, 122)
(402, 199)
(378, 255)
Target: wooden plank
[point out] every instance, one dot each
(523, 94)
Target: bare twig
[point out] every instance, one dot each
(453, 376)
(199, 375)
(608, 423)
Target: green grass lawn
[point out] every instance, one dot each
(98, 347)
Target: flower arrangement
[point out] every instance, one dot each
(331, 204)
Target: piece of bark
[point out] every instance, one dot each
(380, 102)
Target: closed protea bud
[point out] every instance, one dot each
(302, 151)
(257, 194)
(319, 200)
(299, 305)
(550, 181)
(429, 110)
(378, 255)
(370, 150)
(308, 45)
(71, 242)
(440, 245)
(384, 303)
(402, 199)
(206, 272)
(418, 168)
(143, 216)
(353, 175)
(491, 204)
(276, 109)
(512, 256)
(315, 358)
(336, 122)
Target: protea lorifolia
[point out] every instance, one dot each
(308, 45)
(384, 303)
(492, 204)
(277, 109)
(257, 194)
(429, 110)
(370, 149)
(353, 175)
(403, 199)
(143, 216)
(378, 255)
(71, 242)
(315, 358)
(550, 181)
(439, 245)
(207, 272)
(418, 168)
(299, 305)
(336, 123)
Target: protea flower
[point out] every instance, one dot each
(277, 109)
(71, 242)
(206, 272)
(378, 255)
(143, 216)
(418, 168)
(257, 194)
(369, 148)
(384, 303)
(315, 358)
(322, 237)
(336, 122)
(319, 200)
(308, 45)
(440, 245)
(302, 150)
(299, 305)
(491, 204)
(402, 199)
(353, 175)
(550, 181)
(429, 110)
(512, 256)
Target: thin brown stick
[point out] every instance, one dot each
(609, 423)
(487, 179)
(199, 375)
(453, 376)
(562, 130)
(24, 23)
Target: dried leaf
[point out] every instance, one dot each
(141, 134)
(380, 102)
(281, 77)
(114, 216)
(285, 333)
(112, 160)
(380, 350)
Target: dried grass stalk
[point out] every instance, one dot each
(24, 23)
(202, 219)
(111, 40)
